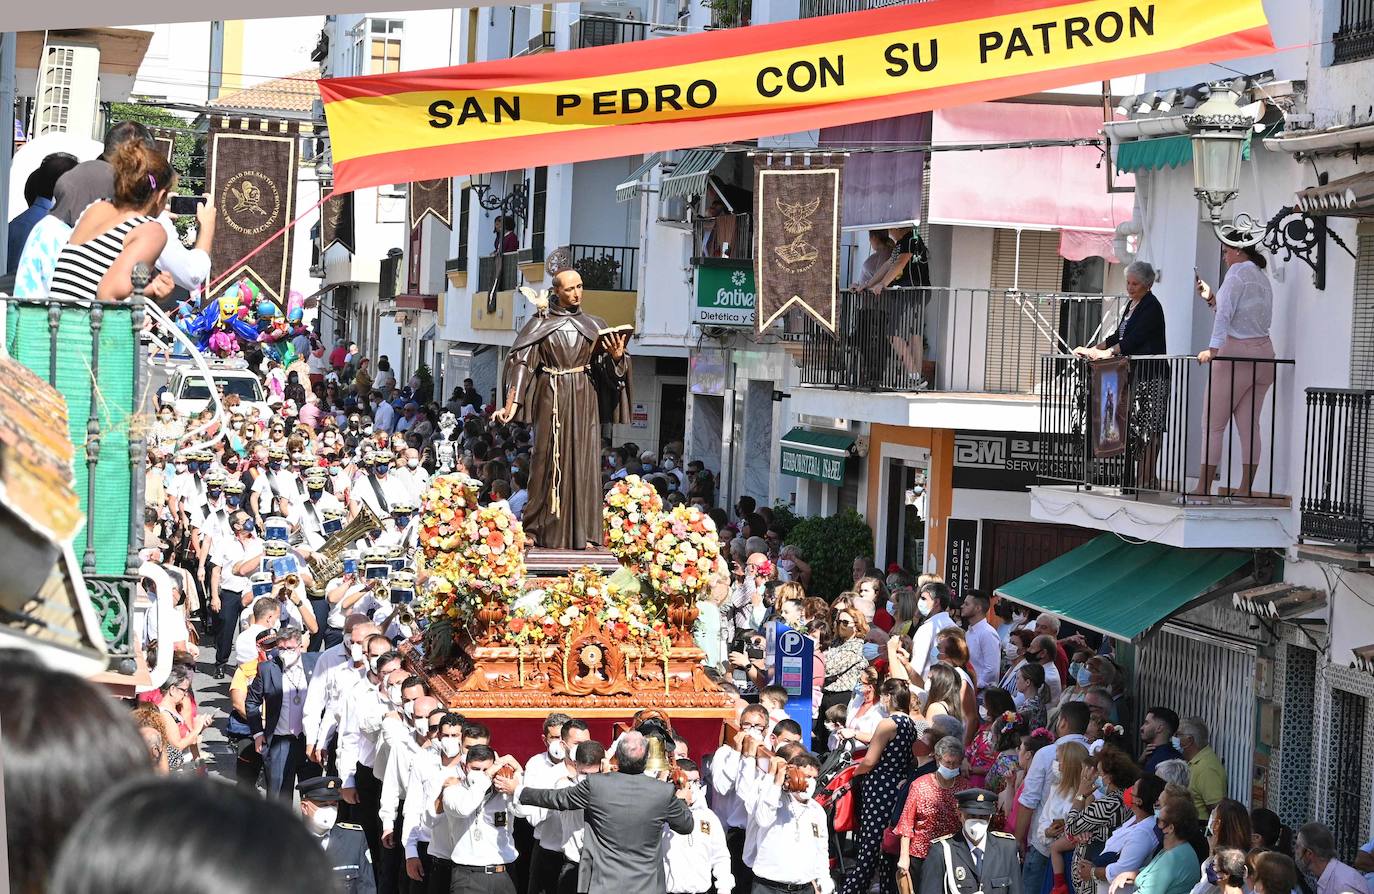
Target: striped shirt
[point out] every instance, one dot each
(80, 268)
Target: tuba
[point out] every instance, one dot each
(327, 563)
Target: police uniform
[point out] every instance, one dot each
(345, 845)
(957, 866)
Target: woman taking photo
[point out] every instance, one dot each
(884, 767)
(1098, 809)
(865, 712)
(180, 729)
(931, 810)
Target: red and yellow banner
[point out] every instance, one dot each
(651, 95)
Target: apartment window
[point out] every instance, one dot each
(538, 204)
(57, 90)
(1354, 36)
(1347, 803)
(464, 221)
(384, 42)
(1362, 326)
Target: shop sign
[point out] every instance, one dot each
(803, 463)
(725, 297)
(639, 416)
(995, 460)
(961, 556)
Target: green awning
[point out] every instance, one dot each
(689, 175)
(1170, 152)
(817, 455)
(1124, 589)
(633, 185)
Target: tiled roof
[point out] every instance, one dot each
(293, 93)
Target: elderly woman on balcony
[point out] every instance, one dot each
(1139, 333)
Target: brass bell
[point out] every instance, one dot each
(657, 761)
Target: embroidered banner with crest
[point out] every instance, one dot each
(797, 237)
(253, 186)
(336, 222)
(430, 197)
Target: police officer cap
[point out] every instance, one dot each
(216, 479)
(977, 802)
(276, 453)
(381, 457)
(321, 789)
(233, 486)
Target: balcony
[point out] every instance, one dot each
(1337, 470)
(1354, 39)
(606, 268)
(605, 31)
(810, 9)
(729, 237)
(1131, 464)
(504, 269)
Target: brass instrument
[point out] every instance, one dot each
(326, 563)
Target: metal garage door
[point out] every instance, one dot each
(1198, 675)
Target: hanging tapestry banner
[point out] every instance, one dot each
(336, 222)
(741, 83)
(797, 237)
(430, 197)
(253, 186)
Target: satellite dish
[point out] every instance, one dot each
(558, 259)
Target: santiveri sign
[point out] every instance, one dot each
(725, 297)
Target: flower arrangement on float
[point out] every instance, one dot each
(632, 505)
(683, 551)
(566, 603)
(444, 509)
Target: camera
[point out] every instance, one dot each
(185, 204)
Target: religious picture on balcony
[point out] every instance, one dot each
(1111, 400)
(796, 253)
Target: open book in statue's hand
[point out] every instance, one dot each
(626, 330)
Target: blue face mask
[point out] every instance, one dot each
(381, 469)
(1211, 872)
(1083, 676)
(249, 526)
(235, 499)
(1101, 790)
(402, 521)
(870, 651)
(274, 465)
(314, 492)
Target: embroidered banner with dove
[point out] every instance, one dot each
(797, 240)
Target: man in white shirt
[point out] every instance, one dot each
(1042, 651)
(413, 475)
(473, 822)
(984, 645)
(432, 771)
(310, 513)
(400, 766)
(360, 725)
(335, 669)
(229, 587)
(376, 487)
(1072, 723)
(545, 770)
(275, 708)
(691, 862)
(933, 605)
(732, 777)
(793, 840)
(384, 419)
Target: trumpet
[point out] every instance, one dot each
(292, 580)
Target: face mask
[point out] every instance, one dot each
(669, 465)
(381, 469)
(947, 772)
(1019, 699)
(314, 492)
(870, 651)
(479, 782)
(289, 658)
(806, 794)
(556, 750)
(1101, 790)
(975, 830)
(274, 465)
(412, 464)
(355, 651)
(1211, 872)
(322, 820)
(1074, 668)
(451, 746)
(422, 725)
(235, 501)
(249, 526)
(1084, 676)
(213, 493)
(394, 693)
(924, 606)
(983, 713)
(402, 521)
(404, 630)
(180, 467)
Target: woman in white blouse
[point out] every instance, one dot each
(1244, 307)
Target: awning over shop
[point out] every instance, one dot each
(1351, 196)
(1123, 589)
(690, 174)
(633, 185)
(881, 189)
(1045, 188)
(817, 455)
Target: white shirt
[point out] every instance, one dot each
(1134, 843)
(393, 489)
(793, 846)
(309, 516)
(396, 777)
(985, 653)
(1052, 680)
(1039, 779)
(188, 267)
(517, 502)
(234, 552)
(478, 820)
(385, 417)
(1245, 305)
(293, 685)
(360, 719)
(728, 770)
(426, 774)
(541, 771)
(925, 647)
(246, 644)
(332, 668)
(690, 861)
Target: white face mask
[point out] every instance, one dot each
(983, 713)
(947, 772)
(806, 793)
(322, 820)
(288, 659)
(452, 746)
(975, 830)
(393, 692)
(355, 651)
(412, 464)
(556, 750)
(924, 606)
(404, 630)
(422, 725)
(479, 781)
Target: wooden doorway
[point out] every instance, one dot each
(1011, 549)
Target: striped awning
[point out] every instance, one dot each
(630, 188)
(690, 175)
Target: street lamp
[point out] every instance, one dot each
(514, 203)
(1219, 129)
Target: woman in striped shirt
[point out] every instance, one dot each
(111, 237)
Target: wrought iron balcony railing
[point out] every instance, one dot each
(1337, 468)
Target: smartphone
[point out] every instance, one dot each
(185, 204)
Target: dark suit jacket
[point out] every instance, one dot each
(625, 814)
(1144, 330)
(999, 872)
(263, 703)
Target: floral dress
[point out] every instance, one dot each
(1094, 823)
(999, 776)
(980, 754)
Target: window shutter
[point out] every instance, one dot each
(1362, 323)
(1014, 341)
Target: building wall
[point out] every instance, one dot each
(177, 65)
(940, 443)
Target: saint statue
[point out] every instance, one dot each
(567, 376)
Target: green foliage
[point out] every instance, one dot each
(728, 13)
(598, 273)
(426, 377)
(830, 546)
(784, 519)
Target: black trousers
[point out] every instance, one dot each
(744, 876)
(366, 813)
(438, 875)
(321, 610)
(567, 877)
(524, 847)
(544, 868)
(475, 880)
(230, 607)
(391, 872)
